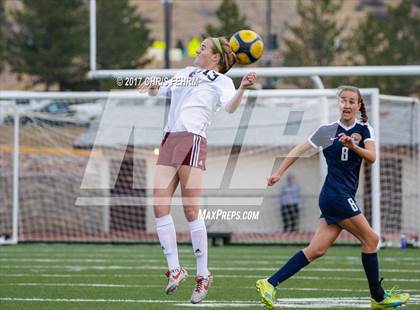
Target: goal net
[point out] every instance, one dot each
(399, 170)
(86, 162)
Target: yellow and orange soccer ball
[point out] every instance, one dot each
(247, 46)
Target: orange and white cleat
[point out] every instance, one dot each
(201, 289)
(175, 278)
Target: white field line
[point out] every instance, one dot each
(142, 301)
(142, 260)
(233, 276)
(238, 261)
(67, 249)
(321, 305)
(317, 278)
(80, 260)
(310, 303)
(108, 285)
(153, 267)
(139, 250)
(115, 255)
(293, 303)
(100, 250)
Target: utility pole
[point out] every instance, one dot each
(168, 25)
(268, 39)
(167, 6)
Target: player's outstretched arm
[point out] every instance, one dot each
(293, 155)
(247, 81)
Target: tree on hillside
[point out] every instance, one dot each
(316, 40)
(389, 40)
(122, 35)
(50, 42)
(229, 18)
(2, 23)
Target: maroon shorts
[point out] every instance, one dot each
(183, 148)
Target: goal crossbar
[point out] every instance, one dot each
(272, 71)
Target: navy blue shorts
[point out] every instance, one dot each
(337, 208)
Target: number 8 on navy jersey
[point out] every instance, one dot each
(337, 198)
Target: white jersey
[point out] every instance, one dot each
(193, 106)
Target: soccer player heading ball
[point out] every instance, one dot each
(345, 144)
(183, 151)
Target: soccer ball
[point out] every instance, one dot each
(247, 46)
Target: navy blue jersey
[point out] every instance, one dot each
(343, 164)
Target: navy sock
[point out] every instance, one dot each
(371, 266)
(295, 263)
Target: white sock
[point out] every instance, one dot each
(167, 236)
(199, 243)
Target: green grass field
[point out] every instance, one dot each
(36, 276)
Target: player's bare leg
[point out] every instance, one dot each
(165, 183)
(359, 227)
(324, 237)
